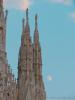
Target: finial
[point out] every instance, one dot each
(27, 28)
(36, 23)
(27, 15)
(6, 14)
(36, 33)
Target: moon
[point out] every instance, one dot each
(49, 77)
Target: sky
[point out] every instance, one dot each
(56, 26)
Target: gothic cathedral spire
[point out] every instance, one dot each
(30, 83)
(25, 59)
(37, 53)
(37, 65)
(6, 77)
(3, 17)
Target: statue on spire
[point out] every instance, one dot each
(27, 15)
(36, 23)
(27, 28)
(6, 14)
(36, 33)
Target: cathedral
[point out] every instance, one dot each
(29, 85)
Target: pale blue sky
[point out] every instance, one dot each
(57, 38)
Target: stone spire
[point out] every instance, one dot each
(36, 33)
(26, 29)
(26, 44)
(3, 55)
(25, 58)
(3, 18)
(37, 53)
(37, 65)
(30, 83)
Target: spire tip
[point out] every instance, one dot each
(36, 23)
(27, 14)
(36, 17)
